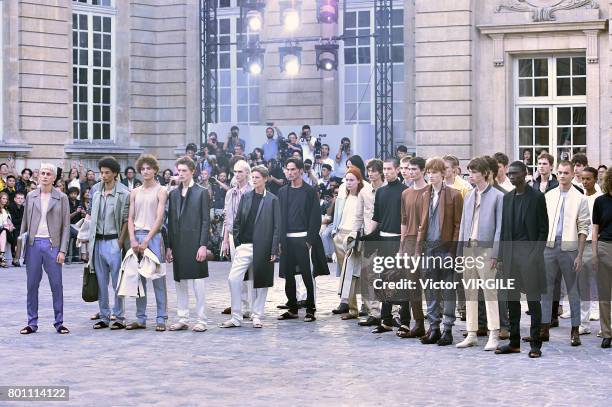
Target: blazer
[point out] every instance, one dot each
(58, 218)
(552, 183)
(449, 207)
(576, 217)
(529, 273)
(188, 230)
(265, 244)
(489, 219)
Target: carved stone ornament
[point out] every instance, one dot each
(544, 10)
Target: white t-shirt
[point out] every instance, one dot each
(43, 229)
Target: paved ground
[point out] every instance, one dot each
(286, 363)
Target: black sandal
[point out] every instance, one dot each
(309, 318)
(27, 330)
(403, 332)
(287, 315)
(100, 325)
(535, 353)
(62, 330)
(116, 326)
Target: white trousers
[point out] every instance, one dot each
(198, 286)
(476, 273)
(243, 259)
(245, 291)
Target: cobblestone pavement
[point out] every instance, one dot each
(285, 363)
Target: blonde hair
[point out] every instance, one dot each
(48, 166)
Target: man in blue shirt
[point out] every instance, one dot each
(270, 147)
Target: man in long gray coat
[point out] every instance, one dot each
(188, 235)
(258, 212)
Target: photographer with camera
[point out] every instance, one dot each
(309, 176)
(292, 144)
(343, 154)
(307, 143)
(277, 176)
(214, 147)
(233, 140)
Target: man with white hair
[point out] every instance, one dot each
(47, 224)
(242, 174)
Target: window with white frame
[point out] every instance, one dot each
(358, 67)
(92, 70)
(238, 92)
(550, 107)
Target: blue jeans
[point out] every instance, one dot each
(159, 284)
(107, 261)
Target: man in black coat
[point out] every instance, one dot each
(523, 238)
(299, 233)
(188, 235)
(258, 215)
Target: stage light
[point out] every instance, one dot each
(252, 13)
(327, 56)
(290, 59)
(254, 20)
(253, 60)
(290, 14)
(327, 11)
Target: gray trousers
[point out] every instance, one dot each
(561, 262)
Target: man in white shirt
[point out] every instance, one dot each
(502, 180)
(307, 143)
(587, 282)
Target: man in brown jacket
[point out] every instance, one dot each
(441, 208)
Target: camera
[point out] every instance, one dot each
(318, 145)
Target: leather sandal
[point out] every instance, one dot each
(62, 330)
(27, 330)
(135, 325)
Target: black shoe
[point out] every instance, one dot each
(288, 315)
(606, 343)
(382, 329)
(227, 311)
(342, 309)
(446, 338)
(433, 337)
(309, 317)
(100, 325)
(370, 321)
(575, 337)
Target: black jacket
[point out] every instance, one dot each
(267, 226)
(188, 229)
(529, 274)
(552, 183)
(317, 254)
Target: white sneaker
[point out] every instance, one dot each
(469, 341)
(594, 315)
(493, 341)
(583, 330)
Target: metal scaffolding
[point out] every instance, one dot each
(208, 66)
(384, 80)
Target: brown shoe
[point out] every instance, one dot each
(135, 325)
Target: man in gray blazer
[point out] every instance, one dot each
(47, 224)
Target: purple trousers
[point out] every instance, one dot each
(38, 256)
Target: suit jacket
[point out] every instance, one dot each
(529, 274)
(188, 229)
(58, 218)
(317, 254)
(552, 183)
(265, 244)
(489, 219)
(450, 207)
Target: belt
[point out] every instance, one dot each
(386, 234)
(297, 234)
(107, 237)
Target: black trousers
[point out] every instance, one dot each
(535, 312)
(298, 256)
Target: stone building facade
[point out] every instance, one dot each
(83, 78)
